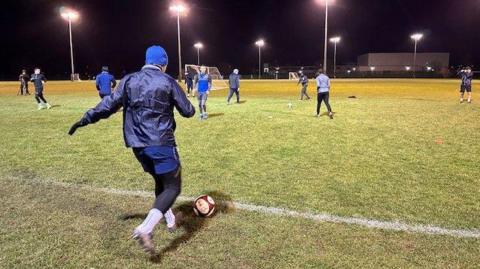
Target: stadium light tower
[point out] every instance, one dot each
(198, 46)
(416, 37)
(335, 41)
(326, 2)
(70, 15)
(260, 43)
(179, 9)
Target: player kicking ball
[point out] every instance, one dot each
(466, 86)
(323, 93)
(148, 98)
(203, 83)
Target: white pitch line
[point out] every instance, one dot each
(323, 217)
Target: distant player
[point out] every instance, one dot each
(203, 84)
(466, 86)
(39, 81)
(234, 83)
(105, 82)
(24, 78)
(323, 93)
(189, 83)
(304, 81)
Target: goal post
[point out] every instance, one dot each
(218, 83)
(293, 76)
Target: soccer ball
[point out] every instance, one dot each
(204, 206)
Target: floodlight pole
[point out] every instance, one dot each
(415, 59)
(198, 55)
(259, 62)
(335, 59)
(179, 49)
(72, 76)
(326, 38)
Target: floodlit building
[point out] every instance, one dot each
(380, 62)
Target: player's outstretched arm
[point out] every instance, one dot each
(181, 102)
(108, 106)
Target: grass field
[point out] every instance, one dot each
(403, 150)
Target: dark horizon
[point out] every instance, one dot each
(116, 33)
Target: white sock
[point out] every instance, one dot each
(170, 218)
(153, 218)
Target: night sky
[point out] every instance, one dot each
(117, 32)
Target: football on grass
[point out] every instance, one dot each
(204, 206)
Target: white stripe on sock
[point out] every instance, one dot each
(170, 218)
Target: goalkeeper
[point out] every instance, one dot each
(148, 98)
(203, 83)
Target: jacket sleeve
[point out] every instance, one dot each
(181, 102)
(43, 78)
(209, 82)
(108, 106)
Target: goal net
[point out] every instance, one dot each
(218, 82)
(293, 76)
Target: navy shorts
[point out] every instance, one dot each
(466, 88)
(158, 160)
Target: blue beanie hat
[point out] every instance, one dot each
(156, 55)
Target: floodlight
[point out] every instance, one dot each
(260, 43)
(198, 45)
(69, 14)
(178, 8)
(407, 68)
(416, 36)
(335, 39)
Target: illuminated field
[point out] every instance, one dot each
(402, 150)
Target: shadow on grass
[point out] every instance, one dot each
(192, 224)
(188, 222)
(54, 106)
(242, 102)
(326, 114)
(213, 115)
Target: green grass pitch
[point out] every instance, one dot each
(402, 150)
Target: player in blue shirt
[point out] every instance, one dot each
(203, 83)
(105, 82)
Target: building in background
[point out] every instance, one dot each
(395, 62)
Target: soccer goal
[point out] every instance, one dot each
(293, 76)
(218, 82)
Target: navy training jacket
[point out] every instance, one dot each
(148, 98)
